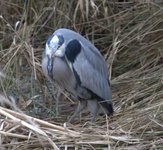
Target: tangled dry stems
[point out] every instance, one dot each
(129, 35)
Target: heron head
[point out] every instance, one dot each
(55, 46)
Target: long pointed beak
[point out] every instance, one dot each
(53, 56)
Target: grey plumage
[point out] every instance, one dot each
(77, 66)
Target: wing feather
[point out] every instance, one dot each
(92, 73)
(92, 54)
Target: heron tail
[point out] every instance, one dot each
(107, 105)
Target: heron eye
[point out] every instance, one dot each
(58, 47)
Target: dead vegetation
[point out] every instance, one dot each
(128, 33)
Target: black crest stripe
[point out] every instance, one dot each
(61, 40)
(72, 50)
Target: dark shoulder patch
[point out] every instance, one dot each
(72, 50)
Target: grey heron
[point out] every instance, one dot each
(77, 66)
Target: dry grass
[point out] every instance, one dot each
(129, 35)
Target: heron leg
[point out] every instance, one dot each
(93, 107)
(58, 98)
(81, 105)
